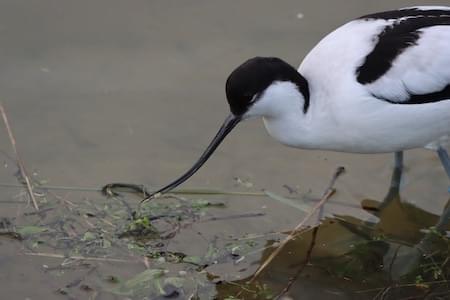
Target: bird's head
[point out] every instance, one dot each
(260, 87)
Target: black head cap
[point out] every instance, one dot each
(254, 76)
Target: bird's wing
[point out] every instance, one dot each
(409, 62)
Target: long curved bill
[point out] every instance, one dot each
(230, 122)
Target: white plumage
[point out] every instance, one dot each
(345, 115)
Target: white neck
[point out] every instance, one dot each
(281, 98)
(281, 106)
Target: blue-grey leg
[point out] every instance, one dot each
(393, 193)
(445, 160)
(397, 173)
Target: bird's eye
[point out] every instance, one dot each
(255, 96)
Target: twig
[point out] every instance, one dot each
(303, 265)
(265, 235)
(327, 195)
(403, 286)
(198, 191)
(232, 217)
(54, 187)
(193, 191)
(382, 294)
(18, 160)
(315, 230)
(391, 265)
(52, 255)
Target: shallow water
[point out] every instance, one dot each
(108, 91)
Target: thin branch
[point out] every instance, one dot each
(18, 159)
(315, 230)
(303, 265)
(232, 217)
(198, 191)
(391, 265)
(327, 195)
(403, 286)
(53, 255)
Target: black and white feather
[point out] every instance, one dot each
(409, 58)
(376, 74)
(396, 54)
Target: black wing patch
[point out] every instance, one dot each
(444, 94)
(406, 13)
(394, 39)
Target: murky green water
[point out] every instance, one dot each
(106, 91)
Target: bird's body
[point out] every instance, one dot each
(349, 114)
(380, 83)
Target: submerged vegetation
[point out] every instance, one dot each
(352, 257)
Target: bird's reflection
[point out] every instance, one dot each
(402, 247)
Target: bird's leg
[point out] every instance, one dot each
(394, 188)
(445, 160)
(398, 170)
(426, 245)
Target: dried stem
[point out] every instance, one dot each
(302, 266)
(18, 159)
(53, 255)
(307, 259)
(198, 191)
(327, 195)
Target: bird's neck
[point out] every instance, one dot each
(292, 126)
(291, 129)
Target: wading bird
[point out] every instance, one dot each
(380, 83)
